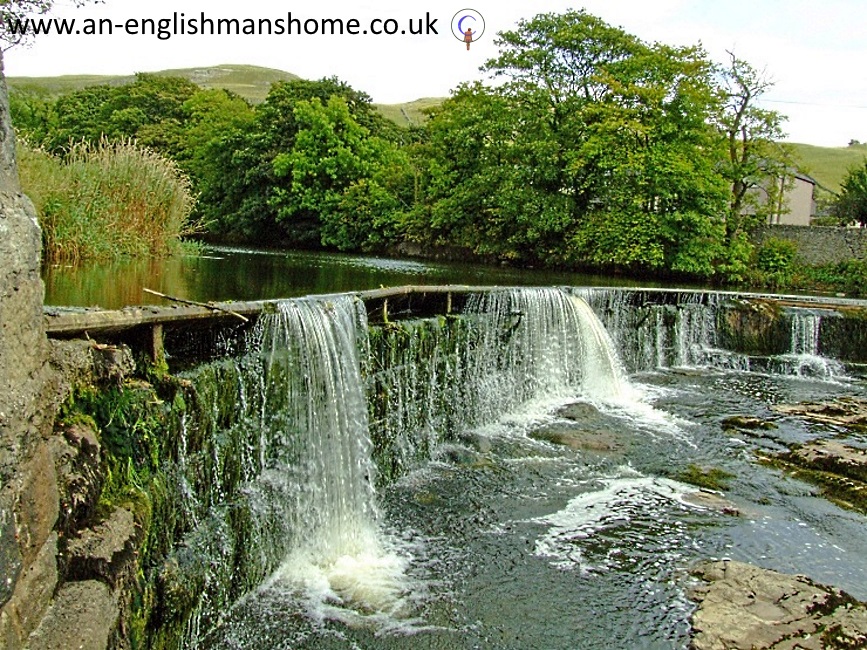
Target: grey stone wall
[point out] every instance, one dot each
(28, 487)
(819, 244)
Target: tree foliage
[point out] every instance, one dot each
(756, 158)
(851, 205)
(593, 149)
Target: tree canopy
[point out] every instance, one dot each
(591, 149)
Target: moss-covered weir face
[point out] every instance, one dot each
(235, 465)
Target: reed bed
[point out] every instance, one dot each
(107, 200)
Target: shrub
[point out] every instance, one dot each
(776, 259)
(113, 199)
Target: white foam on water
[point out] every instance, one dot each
(619, 505)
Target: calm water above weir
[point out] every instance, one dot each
(250, 274)
(395, 486)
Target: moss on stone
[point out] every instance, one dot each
(712, 478)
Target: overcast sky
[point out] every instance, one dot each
(816, 52)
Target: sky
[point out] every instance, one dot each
(814, 52)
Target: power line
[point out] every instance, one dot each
(826, 105)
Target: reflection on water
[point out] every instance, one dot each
(246, 274)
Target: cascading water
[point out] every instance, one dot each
(688, 329)
(280, 478)
(804, 358)
(432, 378)
(291, 450)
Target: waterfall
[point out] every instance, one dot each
(339, 557)
(804, 358)
(433, 378)
(805, 333)
(670, 329)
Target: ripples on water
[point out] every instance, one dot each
(530, 545)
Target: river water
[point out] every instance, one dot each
(402, 488)
(479, 534)
(223, 273)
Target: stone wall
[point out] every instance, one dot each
(819, 244)
(29, 502)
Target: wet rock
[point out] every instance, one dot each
(31, 598)
(79, 476)
(831, 456)
(10, 553)
(84, 616)
(744, 607)
(712, 500)
(754, 326)
(477, 441)
(747, 422)
(90, 363)
(840, 470)
(37, 506)
(106, 551)
(842, 411)
(578, 411)
(578, 439)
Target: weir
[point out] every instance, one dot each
(284, 439)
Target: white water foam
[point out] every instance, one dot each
(622, 503)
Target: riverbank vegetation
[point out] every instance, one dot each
(105, 200)
(594, 150)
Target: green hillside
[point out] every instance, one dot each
(409, 113)
(829, 165)
(249, 81)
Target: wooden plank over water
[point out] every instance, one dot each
(70, 322)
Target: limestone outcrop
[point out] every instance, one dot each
(745, 607)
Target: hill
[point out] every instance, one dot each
(249, 81)
(829, 165)
(409, 113)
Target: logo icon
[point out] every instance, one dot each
(468, 26)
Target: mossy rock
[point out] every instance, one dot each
(755, 327)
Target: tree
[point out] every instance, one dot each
(851, 205)
(253, 193)
(596, 150)
(329, 188)
(756, 159)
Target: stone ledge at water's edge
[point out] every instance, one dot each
(744, 607)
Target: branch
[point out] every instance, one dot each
(208, 305)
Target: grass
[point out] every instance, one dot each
(107, 201)
(829, 165)
(409, 113)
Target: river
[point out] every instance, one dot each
(400, 486)
(223, 273)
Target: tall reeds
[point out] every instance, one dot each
(107, 200)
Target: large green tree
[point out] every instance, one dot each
(596, 149)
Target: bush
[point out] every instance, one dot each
(848, 277)
(107, 200)
(776, 260)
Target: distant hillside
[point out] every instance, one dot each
(249, 81)
(829, 165)
(409, 113)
